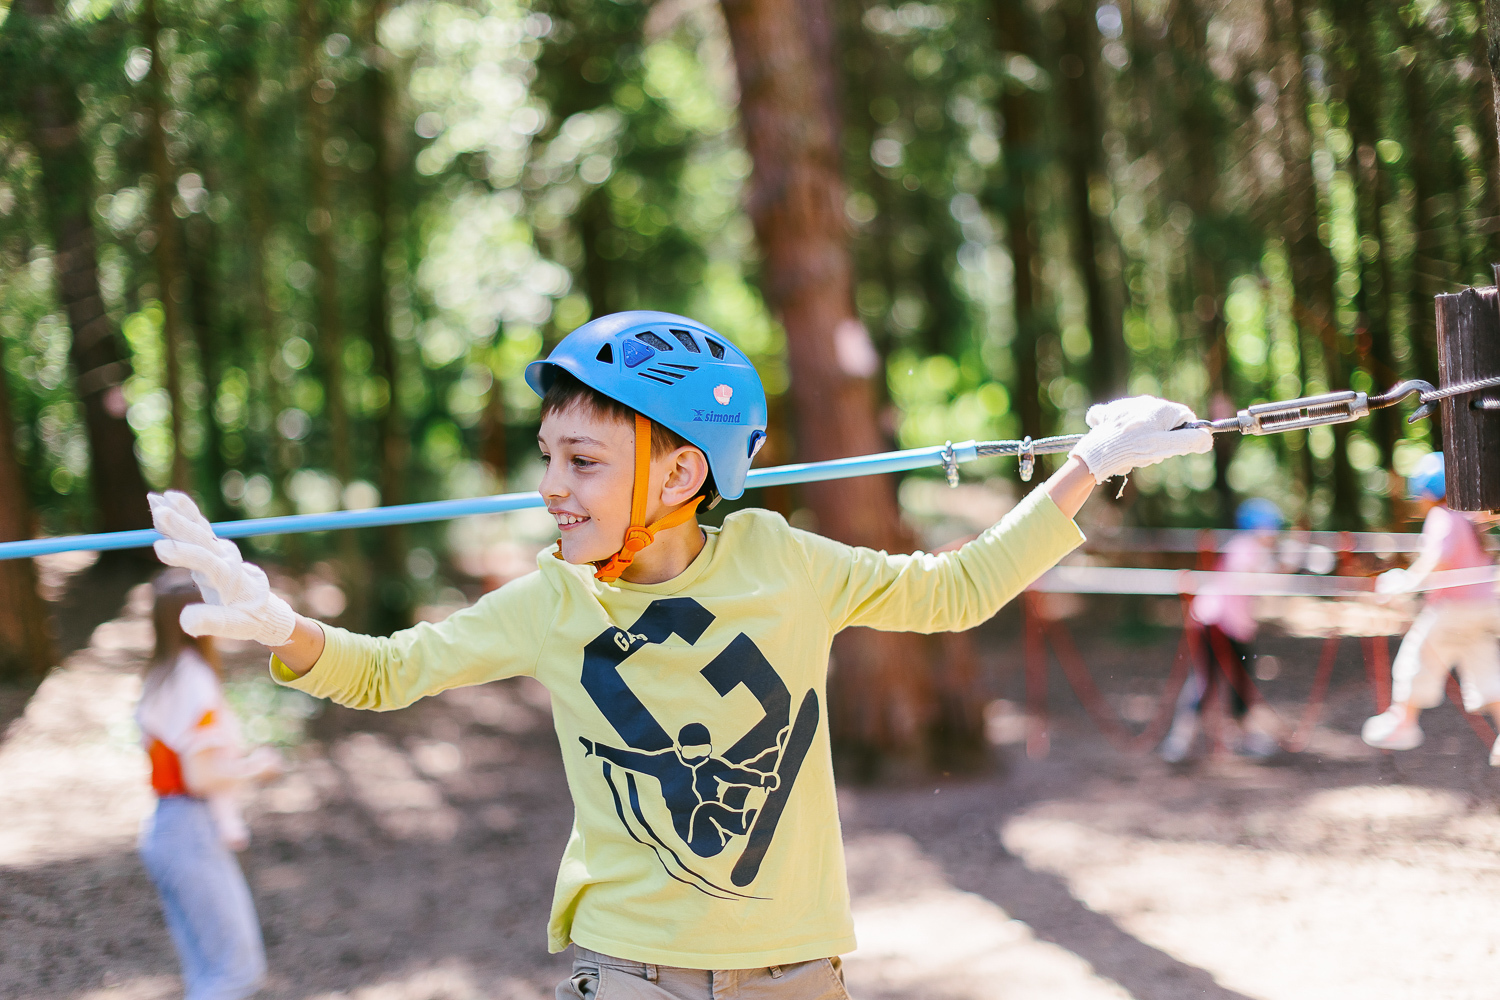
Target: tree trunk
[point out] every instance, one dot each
(215, 341)
(393, 605)
(169, 278)
(1492, 56)
(879, 693)
(1373, 301)
(96, 352)
(319, 90)
(1200, 128)
(1428, 180)
(257, 217)
(1311, 261)
(25, 646)
(1014, 33)
(1109, 363)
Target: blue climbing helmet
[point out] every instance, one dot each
(1258, 514)
(1428, 480)
(677, 372)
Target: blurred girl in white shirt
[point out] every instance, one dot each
(198, 767)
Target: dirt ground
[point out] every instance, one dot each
(410, 856)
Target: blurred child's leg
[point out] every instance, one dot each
(159, 845)
(1179, 740)
(207, 902)
(1479, 673)
(1418, 676)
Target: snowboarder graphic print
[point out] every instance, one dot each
(718, 799)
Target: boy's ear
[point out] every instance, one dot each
(686, 472)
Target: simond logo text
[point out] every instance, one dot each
(709, 417)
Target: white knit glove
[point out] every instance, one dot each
(239, 603)
(1395, 581)
(1130, 433)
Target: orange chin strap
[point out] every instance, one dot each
(639, 534)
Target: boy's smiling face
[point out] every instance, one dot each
(590, 461)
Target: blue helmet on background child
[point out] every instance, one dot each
(1428, 480)
(677, 372)
(1258, 514)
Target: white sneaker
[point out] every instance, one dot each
(1258, 745)
(1179, 742)
(1495, 753)
(1388, 731)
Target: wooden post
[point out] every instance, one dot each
(1468, 344)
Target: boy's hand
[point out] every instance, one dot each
(1140, 430)
(238, 599)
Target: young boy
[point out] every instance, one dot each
(687, 665)
(1457, 626)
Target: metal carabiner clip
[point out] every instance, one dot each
(1026, 454)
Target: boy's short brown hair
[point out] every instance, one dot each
(566, 392)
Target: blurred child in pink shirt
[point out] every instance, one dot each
(1229, 626)
(1457, 626)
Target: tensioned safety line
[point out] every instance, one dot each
(947, 455)
(1172, 582)
(1263, 418)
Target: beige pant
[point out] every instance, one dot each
(599, 977)
(1446, 635)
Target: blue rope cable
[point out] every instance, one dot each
(443, 510)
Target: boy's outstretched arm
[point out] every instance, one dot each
(359, 671)
(957, 590)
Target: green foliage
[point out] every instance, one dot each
(546, 161)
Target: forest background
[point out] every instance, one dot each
(293, 255)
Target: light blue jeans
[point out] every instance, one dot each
(205, 899)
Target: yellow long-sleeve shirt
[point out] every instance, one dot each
(692, 716)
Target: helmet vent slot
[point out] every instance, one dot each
(686, 339)
(606, 354)
(667, 372)
(663, 381)
(682, 368)
(650, 338)
(715, 348)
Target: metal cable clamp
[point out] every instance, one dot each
(1027, 455)
(950, 465)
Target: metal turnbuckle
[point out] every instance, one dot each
(1308, 411)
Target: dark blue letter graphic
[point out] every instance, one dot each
(705, 792)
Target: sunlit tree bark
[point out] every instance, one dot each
(879, 703)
